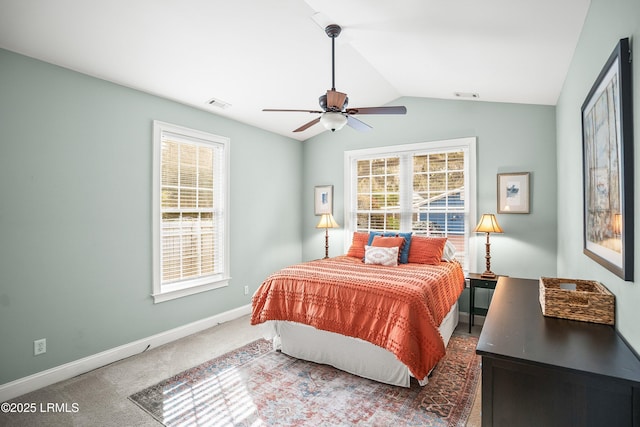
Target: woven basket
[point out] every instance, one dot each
(583, 300)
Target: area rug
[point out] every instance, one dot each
(257, 386)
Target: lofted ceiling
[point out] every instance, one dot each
(255, 54)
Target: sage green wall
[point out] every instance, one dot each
(607, 22)
(510, 138)
(75, 214)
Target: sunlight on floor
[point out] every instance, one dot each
(220, 400)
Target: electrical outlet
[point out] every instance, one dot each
(39, 346)
(246, 290)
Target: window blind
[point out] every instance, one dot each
(191, 234)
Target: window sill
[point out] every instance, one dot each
(191, 290)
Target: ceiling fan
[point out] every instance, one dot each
(335, 114)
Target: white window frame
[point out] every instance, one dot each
(468, 145)
(165, 292)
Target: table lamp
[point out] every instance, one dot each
(488, 224)
(327, 222)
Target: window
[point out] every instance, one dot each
(424, 188)
(190, 211)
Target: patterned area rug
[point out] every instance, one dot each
(256, 386)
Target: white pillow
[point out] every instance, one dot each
(381, 256)
(449, 252)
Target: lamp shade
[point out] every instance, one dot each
(333, 121)
(327, 221)
(488, 224)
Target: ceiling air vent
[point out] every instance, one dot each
(466, 95)
(218, 103)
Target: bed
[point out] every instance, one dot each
(378, 321)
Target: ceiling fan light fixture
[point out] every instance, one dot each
(333, 121)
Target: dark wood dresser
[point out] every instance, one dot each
(542, 371)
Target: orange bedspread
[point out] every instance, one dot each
(397, 308)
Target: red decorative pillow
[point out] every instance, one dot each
(357, 245)
(426, 250)
(389, 242)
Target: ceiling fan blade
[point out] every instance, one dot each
(289, 111)
(335, 99)
(358, 124)
(378, 110)
(307, 125)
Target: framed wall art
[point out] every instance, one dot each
(513, 193)
(607, 157)
(323, 196)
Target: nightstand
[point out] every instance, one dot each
(476, 281)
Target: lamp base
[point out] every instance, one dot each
(488, 275)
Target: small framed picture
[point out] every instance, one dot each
(513, 193)
(323, 199)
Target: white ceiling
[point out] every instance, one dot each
(257, 54)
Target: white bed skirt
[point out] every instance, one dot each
(349, 354)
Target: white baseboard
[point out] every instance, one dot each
(69, 370)
(464, 318)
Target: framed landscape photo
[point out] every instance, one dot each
(607, 156)
(513, 193)
(323, 196)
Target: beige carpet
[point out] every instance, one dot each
(101, 395)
